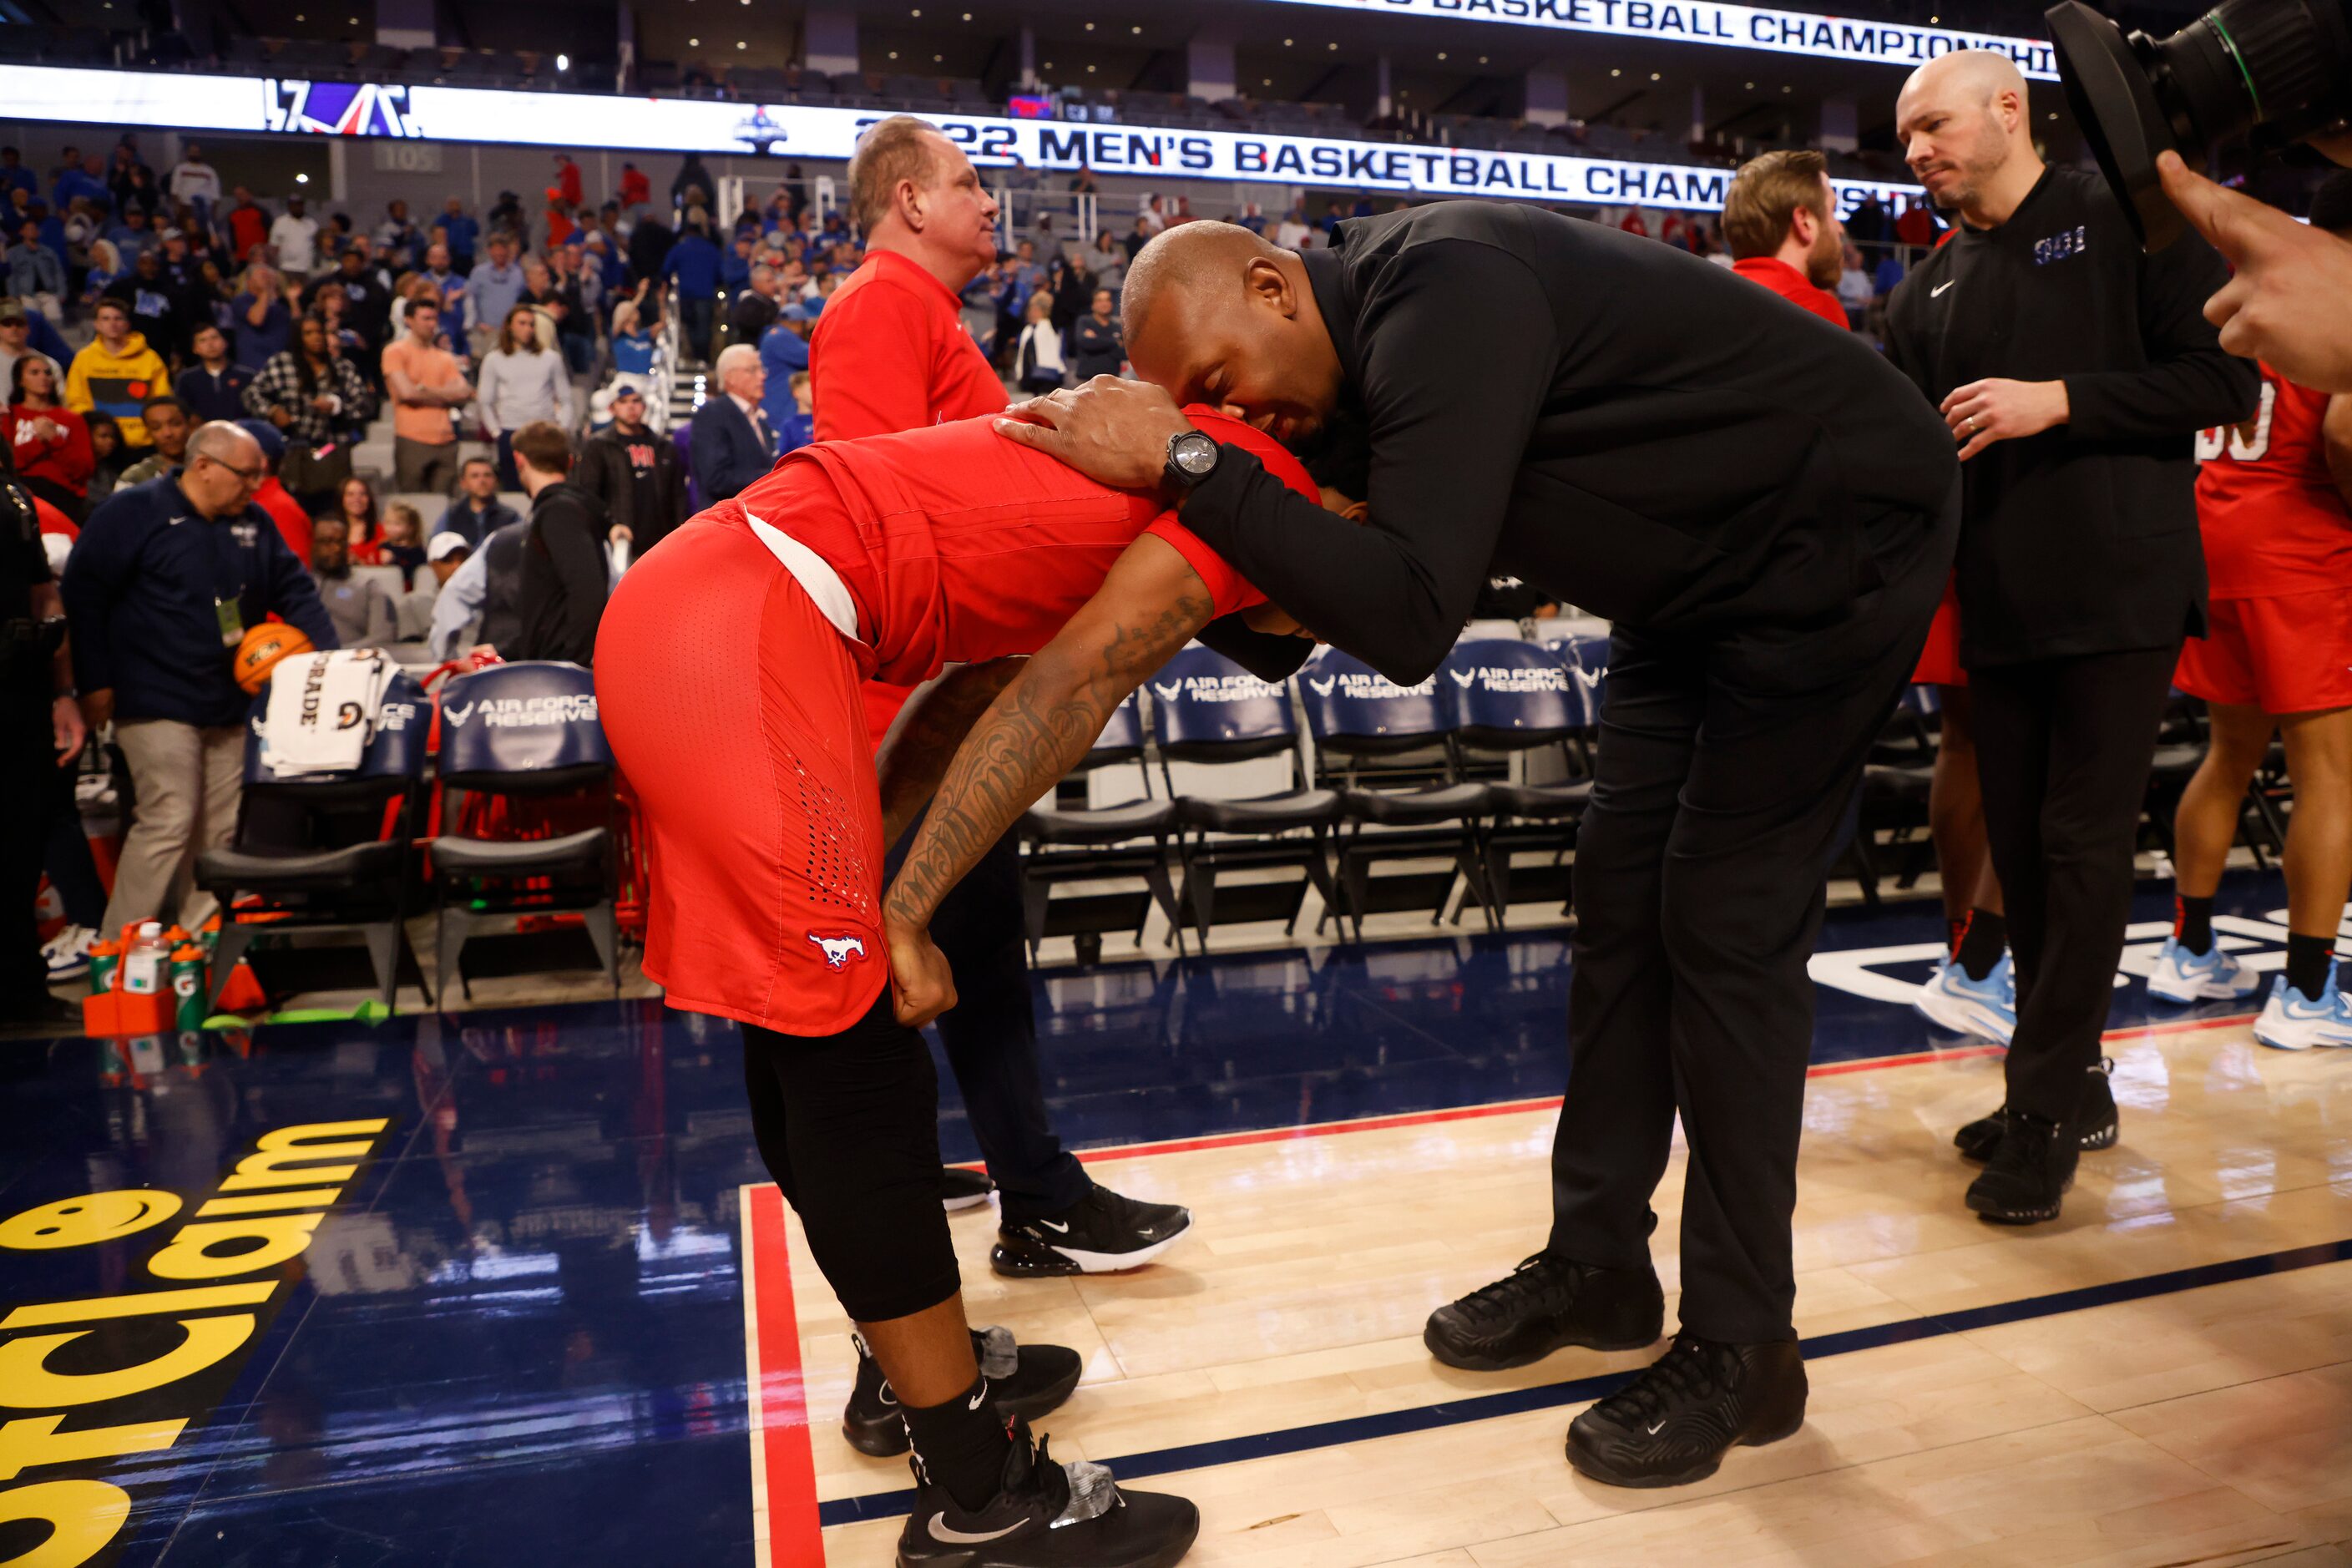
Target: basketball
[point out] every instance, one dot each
(262, 648)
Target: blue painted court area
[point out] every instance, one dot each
(514, 1333)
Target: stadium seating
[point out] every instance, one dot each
(1207, 709)
(1511, 699)
(521, 735)
(1357, 717)
(348, 868)
(1081, 844)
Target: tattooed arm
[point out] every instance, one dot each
(925, 736)
(1148, 607)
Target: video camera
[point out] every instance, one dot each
(2275, 71)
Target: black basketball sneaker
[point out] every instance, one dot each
(1544, 1304)
(2031, 1168)
(2096, 1122)
(1027, 1381)
(1673, 1424)
(1102, 1233)
(962, 1189)
(1046, 1516)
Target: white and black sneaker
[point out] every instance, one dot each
(961, 1189)
(1102, 1233)
(1046, 1515)
(66, 954)
(1027, 1381)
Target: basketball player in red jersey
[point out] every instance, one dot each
(731, 664)
(2275, 504)
(891, 354)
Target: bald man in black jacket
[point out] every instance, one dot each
(1767, 511)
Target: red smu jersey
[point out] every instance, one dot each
(890, 354)
(2275, 521)
(958, 545)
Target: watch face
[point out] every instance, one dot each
(1196, 454)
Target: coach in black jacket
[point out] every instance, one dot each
(2074, 372)
(565, 574)
(1767, 511)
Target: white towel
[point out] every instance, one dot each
(322, 711)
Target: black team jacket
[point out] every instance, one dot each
(565, 575)
(2083, 539)
(1643, 433)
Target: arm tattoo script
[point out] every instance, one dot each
(1029, 738)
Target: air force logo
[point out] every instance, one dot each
(839, 950)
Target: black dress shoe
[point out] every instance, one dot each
(2029, 1173)
(2096, 1123)
(1545, 1304)
(1027, 1381)
(1672, 1425)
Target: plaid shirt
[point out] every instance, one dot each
(279, 385)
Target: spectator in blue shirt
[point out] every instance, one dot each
(131, 236)
(14, 175)
(492, 293)
(1889, 273)
(260, 323)
(459, 232)
(783, 354)
(81, 179)
(735, 267)
(692, 269)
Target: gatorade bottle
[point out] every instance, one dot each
(105, 958)
(188, 992)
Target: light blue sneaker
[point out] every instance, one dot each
(2292, 1021)
(2212, 975)
(1985, 1008)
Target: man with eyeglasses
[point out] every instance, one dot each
(161, 587)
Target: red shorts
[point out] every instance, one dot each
(2288, 654)
(1940, 661)
(735, 710)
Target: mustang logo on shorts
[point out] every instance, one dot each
(839, 950)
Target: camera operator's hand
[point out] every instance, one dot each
(2291, 302)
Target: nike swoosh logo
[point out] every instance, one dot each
(1654, 1430)
(1057, 1228)
(946, 1535)
(1937, 292)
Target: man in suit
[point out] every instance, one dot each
(733, 443)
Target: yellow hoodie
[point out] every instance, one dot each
(119, 385)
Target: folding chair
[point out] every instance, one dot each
(361, 885)
(526, 732)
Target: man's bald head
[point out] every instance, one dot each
(1965, 120)
(223, 441)
(224, 466)
(1216, 315)
(1189, 258)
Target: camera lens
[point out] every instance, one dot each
(2279, 68)
(2241, 64)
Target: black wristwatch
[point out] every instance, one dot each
(1192, 458)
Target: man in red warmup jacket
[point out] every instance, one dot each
(890, 354)
(730, 669)
(1780, 225)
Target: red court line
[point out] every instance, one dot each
(793, 1538)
